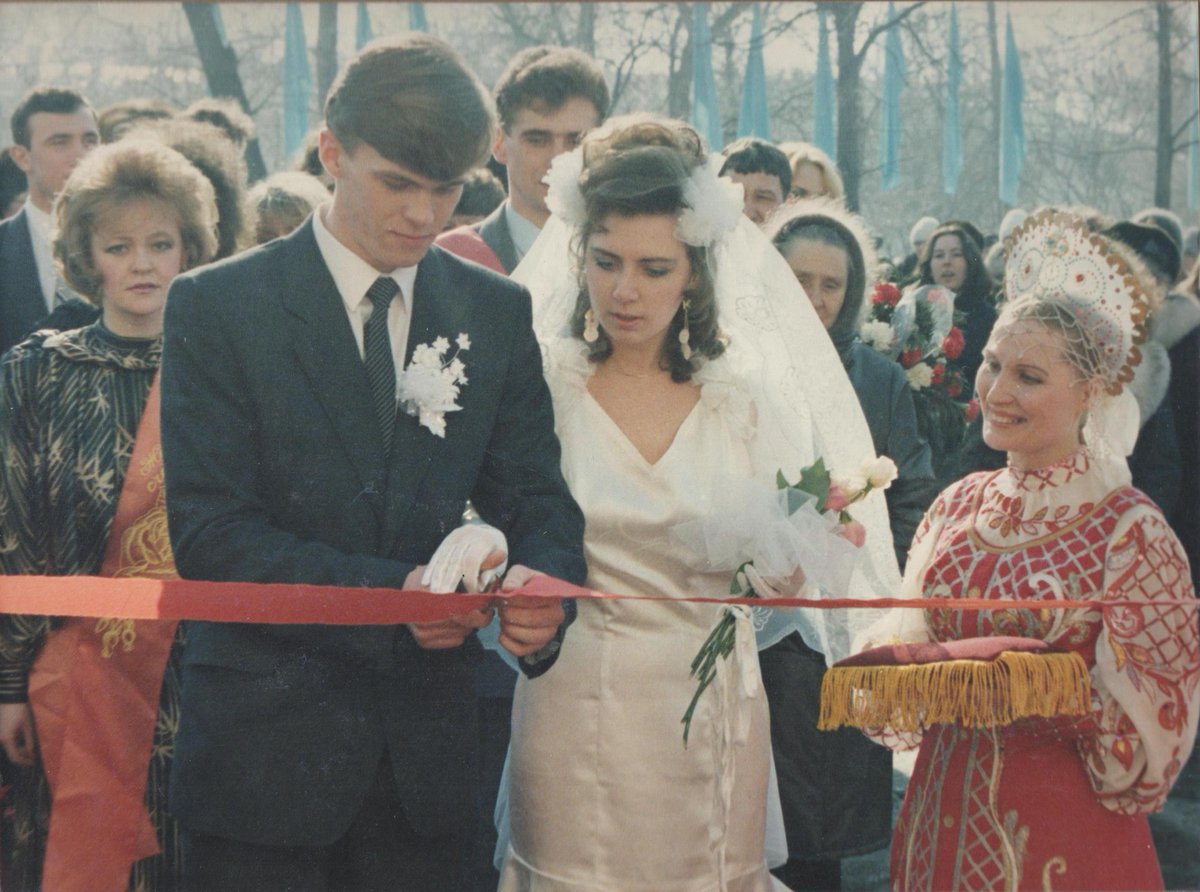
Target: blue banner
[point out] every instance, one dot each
(1012, 125)
(706, 113)
(362, 30)
(416, 17)
(824, 133)
(893, 85)
(297, 81)
(753, 118)
(952, 122)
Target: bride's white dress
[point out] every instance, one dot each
(602, 793)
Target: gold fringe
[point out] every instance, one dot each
(973, 693)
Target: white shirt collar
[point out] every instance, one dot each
(353, 275)
(39, 220)
(41, 234)
(524, 232)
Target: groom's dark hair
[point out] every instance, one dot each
(412, 99)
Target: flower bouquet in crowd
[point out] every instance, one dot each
(918, 331)
(776, 542)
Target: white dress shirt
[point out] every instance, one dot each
(40, 231)
(354, 276)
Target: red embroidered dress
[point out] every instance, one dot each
(1053, 804)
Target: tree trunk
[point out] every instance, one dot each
(587, 28)
(1165, 143)
(221, 70)
(993, 149)
(326, 50)
(849, 130)
(679, 65)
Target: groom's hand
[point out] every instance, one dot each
(444, 633)
(527, 622)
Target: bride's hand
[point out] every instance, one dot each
(775, 586)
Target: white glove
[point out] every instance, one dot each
(460, 557)
(776, 586)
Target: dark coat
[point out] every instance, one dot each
(488, 242)
(276, 473)
(22, 304)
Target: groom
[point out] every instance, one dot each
(314, 757)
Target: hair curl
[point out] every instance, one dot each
(639, 165)
(116, 175)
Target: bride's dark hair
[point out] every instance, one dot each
(639, 165)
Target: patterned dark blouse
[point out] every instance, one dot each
(71, 406)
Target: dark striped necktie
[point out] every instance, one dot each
(377, 354)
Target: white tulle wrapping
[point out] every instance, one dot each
(805, 406)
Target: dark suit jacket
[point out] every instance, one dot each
(276, 472)
(22, 304)
(488, 242)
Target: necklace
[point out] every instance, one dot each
(623, 373)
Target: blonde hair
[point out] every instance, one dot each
(116, 175)
(806, 153)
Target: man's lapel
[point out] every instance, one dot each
(436, 313)
(495, 232)
(324, 346)
(22, 285)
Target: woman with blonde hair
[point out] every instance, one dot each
(814, 173)
(132, 216)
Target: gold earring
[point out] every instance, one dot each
(685, 347)
(591, 331)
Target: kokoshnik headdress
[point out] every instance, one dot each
(1053, 257)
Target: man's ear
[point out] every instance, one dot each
(331, 151)
(20, 154)
(499, 152)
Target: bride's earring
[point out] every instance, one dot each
(591, 331)
(685, 336)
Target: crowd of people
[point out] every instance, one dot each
(501, 341)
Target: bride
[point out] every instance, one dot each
(682, 359)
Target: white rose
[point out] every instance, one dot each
(877, 334)
(880, 472)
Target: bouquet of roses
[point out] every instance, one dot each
(800, 534)
(918, 330)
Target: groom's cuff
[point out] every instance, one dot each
(538, 662)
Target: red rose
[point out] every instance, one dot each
(952, 344)
(939, 374)
(910, 358)
(886, 293)
(972, 411)
(954, 387)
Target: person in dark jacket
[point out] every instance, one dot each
(836, 791)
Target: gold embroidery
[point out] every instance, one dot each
(146, 543)
(114, 632)
(1057, 865)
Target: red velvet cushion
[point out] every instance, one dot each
(985, 649)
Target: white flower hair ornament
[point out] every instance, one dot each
(564, 199)
(1053, 256)
(713, 203)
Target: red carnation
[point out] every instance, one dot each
(952, 344)
(910, 358)
(939, 374)
(972, 411)
(886, 293)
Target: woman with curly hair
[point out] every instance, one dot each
(132, 216)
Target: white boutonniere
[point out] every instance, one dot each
(429, 386)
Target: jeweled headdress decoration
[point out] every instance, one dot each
(1054, 257)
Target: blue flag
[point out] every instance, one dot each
(1012, 126)
(754, 119)
(824, 134)
(297, 81)
(1194, 148)
(416, 17)
(362, 31)
(893, 84)
(952, 123)
(706, 113)
(219, 22)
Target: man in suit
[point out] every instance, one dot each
(764, 173)
(311, 757)
(547, 98)
(52, 128)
